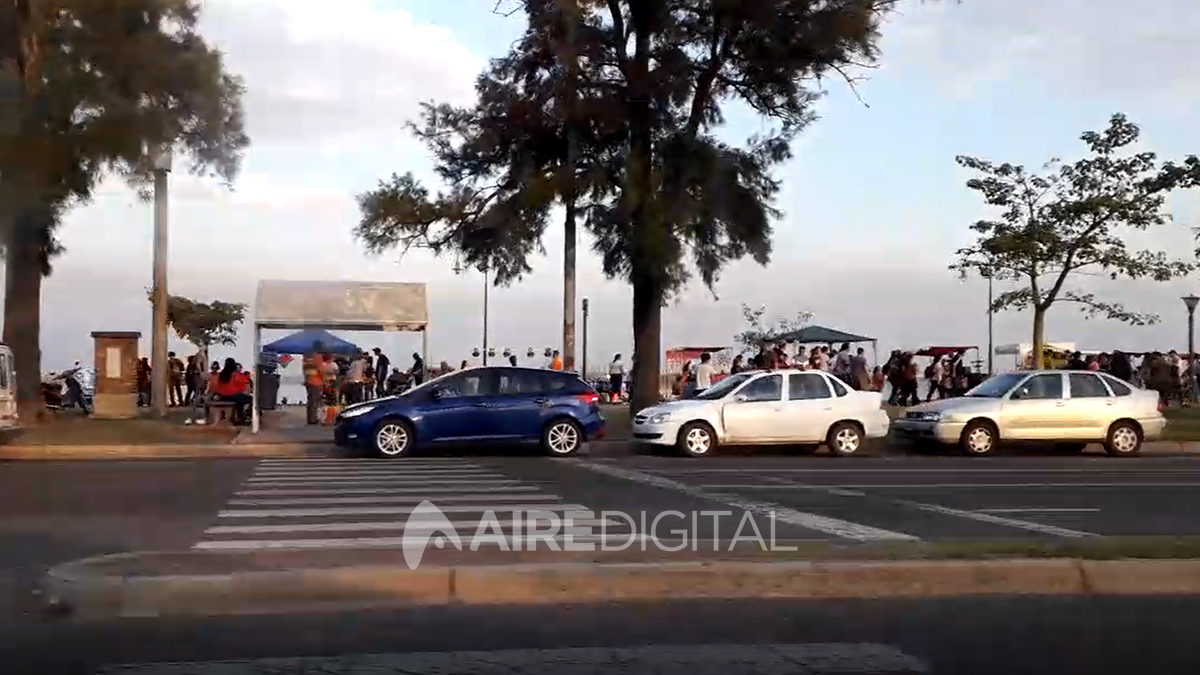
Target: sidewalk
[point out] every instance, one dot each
(203, 583)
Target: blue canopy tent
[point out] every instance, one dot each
(302, 343)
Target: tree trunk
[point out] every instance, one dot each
(568, 337)
(22, 316)
(1039, 338)
(647, 339)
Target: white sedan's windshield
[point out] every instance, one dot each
(997, 386)
(722, 388)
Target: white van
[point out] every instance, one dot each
(8, 390)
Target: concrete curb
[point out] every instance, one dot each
(161, 451)
(87, 591)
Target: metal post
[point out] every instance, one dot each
(991, 314)
(254, 395)
(158, 342)
(583, 368)
(485, 316)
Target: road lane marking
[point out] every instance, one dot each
(370, 479)
(1046, 509)
(386, 510)
(492, 486)
(781, 513)
(846, 658)
(529, 543)
(998, 520)
(388, 499)
(990, 471)
(347, 475)
(405, 526)
(937, 486)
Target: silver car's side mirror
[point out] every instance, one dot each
(740, 398)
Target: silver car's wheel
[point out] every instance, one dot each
(978, 439)
(697, 440)
(1124, 440)
(844, 439)
(562, 438)
(393, 438)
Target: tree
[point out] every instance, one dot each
(100, 82)
(760, 331)
(1069, 220)
(204, 323)
(664, 198)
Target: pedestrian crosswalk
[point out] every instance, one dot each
(333, 503)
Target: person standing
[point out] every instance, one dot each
(704, 374)
(418, 370)
(616, 377)
(191, 377)
(355, 377)
(174, 380)
(313, 383)
(556, 362)
(383, 366)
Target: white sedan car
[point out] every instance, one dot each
(781, 407)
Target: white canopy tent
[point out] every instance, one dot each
(338, 305)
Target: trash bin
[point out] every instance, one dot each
(268, 388)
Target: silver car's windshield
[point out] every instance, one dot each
(722, 388)
(997, 386)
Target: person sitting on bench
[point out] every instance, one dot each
(232, 386)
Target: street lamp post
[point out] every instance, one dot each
(485, 315)
(1191, 301)
(991, 314)
(158, 338)
(583, 369)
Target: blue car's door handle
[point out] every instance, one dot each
(483, 404)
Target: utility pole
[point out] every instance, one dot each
(1190, 301)
(568, 11)
(486, 284)
(583, 370)
(991, 314)
(158, 343)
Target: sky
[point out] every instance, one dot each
(874, 203)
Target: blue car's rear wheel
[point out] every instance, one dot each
(392, 438)
(562, 437)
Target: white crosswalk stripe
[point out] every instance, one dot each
(321, 504)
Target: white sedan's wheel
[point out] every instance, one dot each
(562, 438)
(393, 438)
(844, 439)
(697, 439)
(978, 439)
(1124, 440)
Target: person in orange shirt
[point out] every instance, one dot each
(232, 385)
(314, 382)
(556, 361)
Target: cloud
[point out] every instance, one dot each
(1088, 47)
(321, 77)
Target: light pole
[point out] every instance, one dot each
(158, 340)
(458, 269)
(991, 314)
(583, 369)
(1191, 301)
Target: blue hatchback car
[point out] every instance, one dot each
(478, 405)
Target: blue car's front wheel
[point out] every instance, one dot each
(392, 438)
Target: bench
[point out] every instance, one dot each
(219, 413)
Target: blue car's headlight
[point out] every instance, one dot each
(355, 412)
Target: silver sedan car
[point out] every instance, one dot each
(1069, 408)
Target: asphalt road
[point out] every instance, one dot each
(60, 511)
(978, 636)
(54, 512)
